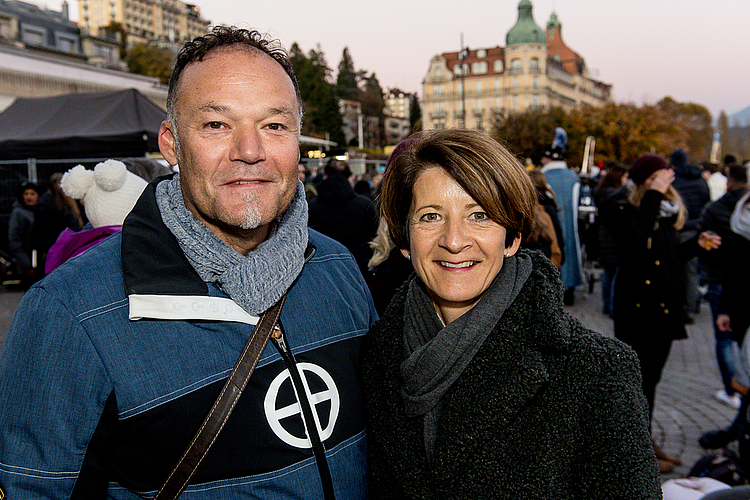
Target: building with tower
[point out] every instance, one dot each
(535, 69)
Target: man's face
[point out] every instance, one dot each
(237, 123)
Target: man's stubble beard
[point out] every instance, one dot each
(251, 218)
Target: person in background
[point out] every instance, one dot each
(109, 193)
(649, 303)
(716, 268)
(693, 190)
(615, 177)
(566, 186)
(303, 174)
(21, 244)
(478, 384)
(113, 362)
(543, 233)
(340, 213)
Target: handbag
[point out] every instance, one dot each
(223, 406)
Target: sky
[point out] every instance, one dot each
(692, 50)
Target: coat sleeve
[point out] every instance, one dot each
(53, 390)
(616, 457)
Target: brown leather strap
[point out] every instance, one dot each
(222, 408)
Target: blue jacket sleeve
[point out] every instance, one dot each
(53, 388)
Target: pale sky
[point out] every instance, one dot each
(692, 50)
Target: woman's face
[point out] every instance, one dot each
(30, 197)
(455, 248)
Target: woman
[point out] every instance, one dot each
(615, 177)
(21, 239)
(478, 384)
(650, 300)
(543, 233)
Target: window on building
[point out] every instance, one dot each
(535, 82)
(498, 85)
(481, 53)
(516, 83)
(480, 125)
(479, 88)
(498, 65)
(66, 42)
(534, 65)
(535, 101)
(479, 68)
(515, 102)
(516, 66)
(34, 35)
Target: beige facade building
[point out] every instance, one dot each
(535, 69)
(397, 115)
(170, 21)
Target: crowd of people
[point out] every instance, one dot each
(244, 328)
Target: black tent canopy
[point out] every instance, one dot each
(95, 125)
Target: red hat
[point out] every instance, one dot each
(645, 166)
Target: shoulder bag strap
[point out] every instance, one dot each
(222, 408)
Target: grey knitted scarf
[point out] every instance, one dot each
(437, 354)
(255, 282)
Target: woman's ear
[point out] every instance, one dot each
(406, 253)
(513, 248)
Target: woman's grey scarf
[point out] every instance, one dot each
(255, 282)
(739, 222)
(437, 354)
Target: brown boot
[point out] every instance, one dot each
(662, 456)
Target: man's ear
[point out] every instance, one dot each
(167, 142)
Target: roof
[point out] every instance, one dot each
(94, 125)
(525, 30)
(570, 60)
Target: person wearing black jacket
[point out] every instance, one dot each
(342, 214)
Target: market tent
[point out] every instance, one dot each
(96, 125)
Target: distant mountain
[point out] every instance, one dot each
(741, 117)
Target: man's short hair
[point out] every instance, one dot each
(478, 163)
(737, 174)
(224, 37)
(335, 166)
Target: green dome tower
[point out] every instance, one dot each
(525, 30)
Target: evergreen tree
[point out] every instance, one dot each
(415, 114)
(322, 113)
(347, 86)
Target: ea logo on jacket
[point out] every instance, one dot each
(326, 396)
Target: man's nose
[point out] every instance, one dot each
(247, 145)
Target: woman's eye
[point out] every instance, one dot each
(480, 216)
(430, 217)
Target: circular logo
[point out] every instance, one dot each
(276, 416)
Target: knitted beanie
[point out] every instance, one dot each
(645, 166)
(109, 192)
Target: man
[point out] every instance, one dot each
(566, 186)
(716, 267)
(342, 214)
(694, 192)
(113, 361)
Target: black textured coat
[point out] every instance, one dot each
(546, 409)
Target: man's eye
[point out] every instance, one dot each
(276, 126)
(214, 125)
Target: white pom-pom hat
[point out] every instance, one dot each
(109, 192)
